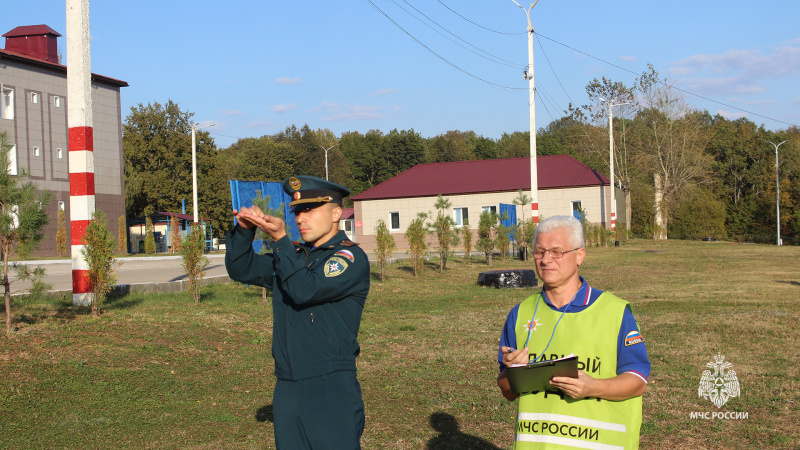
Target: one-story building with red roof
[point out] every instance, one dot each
(566, 187)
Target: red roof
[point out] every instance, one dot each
(493, 175)
(348, 213)
(37, 30)
(31, 30)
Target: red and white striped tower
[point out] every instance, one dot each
(81, 143)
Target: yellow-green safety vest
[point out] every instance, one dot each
(553, 420)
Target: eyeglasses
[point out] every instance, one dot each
(554, 253)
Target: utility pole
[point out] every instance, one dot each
(777, 190)
(326, 158)
(528, 75)
(194, 171)
(611, 104)
(81, 144)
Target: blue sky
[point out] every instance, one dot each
(254, 68)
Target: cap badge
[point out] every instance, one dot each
(295, 183)
(297, 195)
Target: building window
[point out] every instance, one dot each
(34, 97)
(61, 205)
(7, 104)
(577, 211)
(57, 101)
(36, 151)
(59, 153)
(491, 209)
(461, 216)
(348, 226)
(12, 160)
(394, 221)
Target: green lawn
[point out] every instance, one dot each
(159, 371)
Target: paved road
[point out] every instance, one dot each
(133, 270)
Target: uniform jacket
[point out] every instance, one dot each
(318, 295)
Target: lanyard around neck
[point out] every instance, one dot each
(533, 320)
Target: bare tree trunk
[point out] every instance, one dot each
(7, 286)
(660, 219)
(628, 214)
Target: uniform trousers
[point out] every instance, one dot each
(324, 412)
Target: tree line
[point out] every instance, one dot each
(685, 172)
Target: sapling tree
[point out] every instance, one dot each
(22, 221)
(98, 252)
(385, 246)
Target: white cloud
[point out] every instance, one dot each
(628, 58)
(383, 92)
(286, 80)
(356, 112)
(231, 112)
(280, 109)
(731, 115)
(323, 105)
(737, 71)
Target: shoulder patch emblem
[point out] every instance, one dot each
(346, 254)
(335, 266)
(634, 337)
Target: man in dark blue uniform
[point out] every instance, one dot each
(318, 292)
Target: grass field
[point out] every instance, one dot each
(159, 371)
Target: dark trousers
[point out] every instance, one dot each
(324, 412)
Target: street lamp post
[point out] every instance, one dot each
(777, 190)
(194, 170)
(528, 75)
(611, 104)
(326, 158)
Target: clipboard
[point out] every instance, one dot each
(536, 376)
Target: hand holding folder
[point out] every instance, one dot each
(535, 376)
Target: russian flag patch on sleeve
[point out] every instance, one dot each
(347, 254)
(634, 337)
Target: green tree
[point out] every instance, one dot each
(698, 215)
(385, 247)
(122, 236)
(158, 157)
(98, 252)
(22, 221)
(514, 145)
(365, 159)
(444, 228)
(486, 241)
(503, 241)
(415, 235)
(402, 150)
(466, 237)
(61, 233)
(194, 261)
(451, 146)
(149, 238)
(671, 137)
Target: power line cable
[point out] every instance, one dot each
(491, 57)
(438, 55)
(477, 25)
